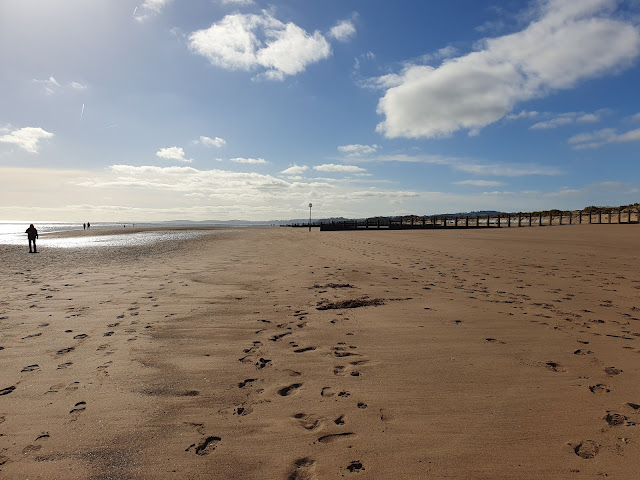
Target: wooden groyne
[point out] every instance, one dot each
(503, 220)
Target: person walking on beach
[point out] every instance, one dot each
(32, 234)
(84, 226)
(88, 225)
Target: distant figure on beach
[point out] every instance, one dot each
(32, 234)
(88, 225)
(84, 226)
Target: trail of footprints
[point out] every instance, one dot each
(63, 360)
(342, 360)
(605, 319)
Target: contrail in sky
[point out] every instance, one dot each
(134, 11)
(82, 112)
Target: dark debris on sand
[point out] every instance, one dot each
(350, 303)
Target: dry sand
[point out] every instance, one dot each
(482, 354)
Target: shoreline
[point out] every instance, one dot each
(492, 355)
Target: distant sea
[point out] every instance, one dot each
(13, 233)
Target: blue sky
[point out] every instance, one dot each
(155, 110)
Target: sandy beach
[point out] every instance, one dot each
(275, 353)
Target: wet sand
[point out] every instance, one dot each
(278, 353)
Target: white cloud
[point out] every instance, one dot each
(363, 56)
(568, 42)
(357, 149)
(553, 123)
(632, 136)
(254, 161)
(78, 86)
(480, 183)
(49, 85)
(155, 5)
(636, 117)
(522, 114)
(498, 170)
(467, 165)
(211, 142)
(26, 138)
(149, 8)
(588, 118)
(331, 167)
(252, 42)
(343, 31)
(383, 82)
(173, 153)
(567, 118)
(599, 138)
(295, 170)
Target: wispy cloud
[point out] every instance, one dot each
(566, 43)
(568, 118)
(210, 142)
(332, 167)
(295, 170)
(599, 138)
(466, 165)
(50, 85)
(78, 86)
(26, 138)
(480, 183)
(357, 149)
(149, 8)
(254, 161)
(522, 114)
(173, 153)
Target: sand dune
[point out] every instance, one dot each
(278, 353)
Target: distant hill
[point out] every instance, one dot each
(253, 223)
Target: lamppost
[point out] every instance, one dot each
(310, 205)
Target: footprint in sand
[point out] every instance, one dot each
(612, 371)
(495, 340)
(64, 365)
(7, 390)
(72, 386)
(80, 336)
(30, 368)
(302, 469)
(79, 407)
(599, 388)
(31, 336)
(305, 349)
(555, 367)
(65, 350)
(327, 392)
(205, 447)
(246, 382)
(242, 411)
(334, 436)
(308, 422)
(615, 419)
(355, 466)
(289, 390)
(31, 449)
(262, 363)
(587, 449)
